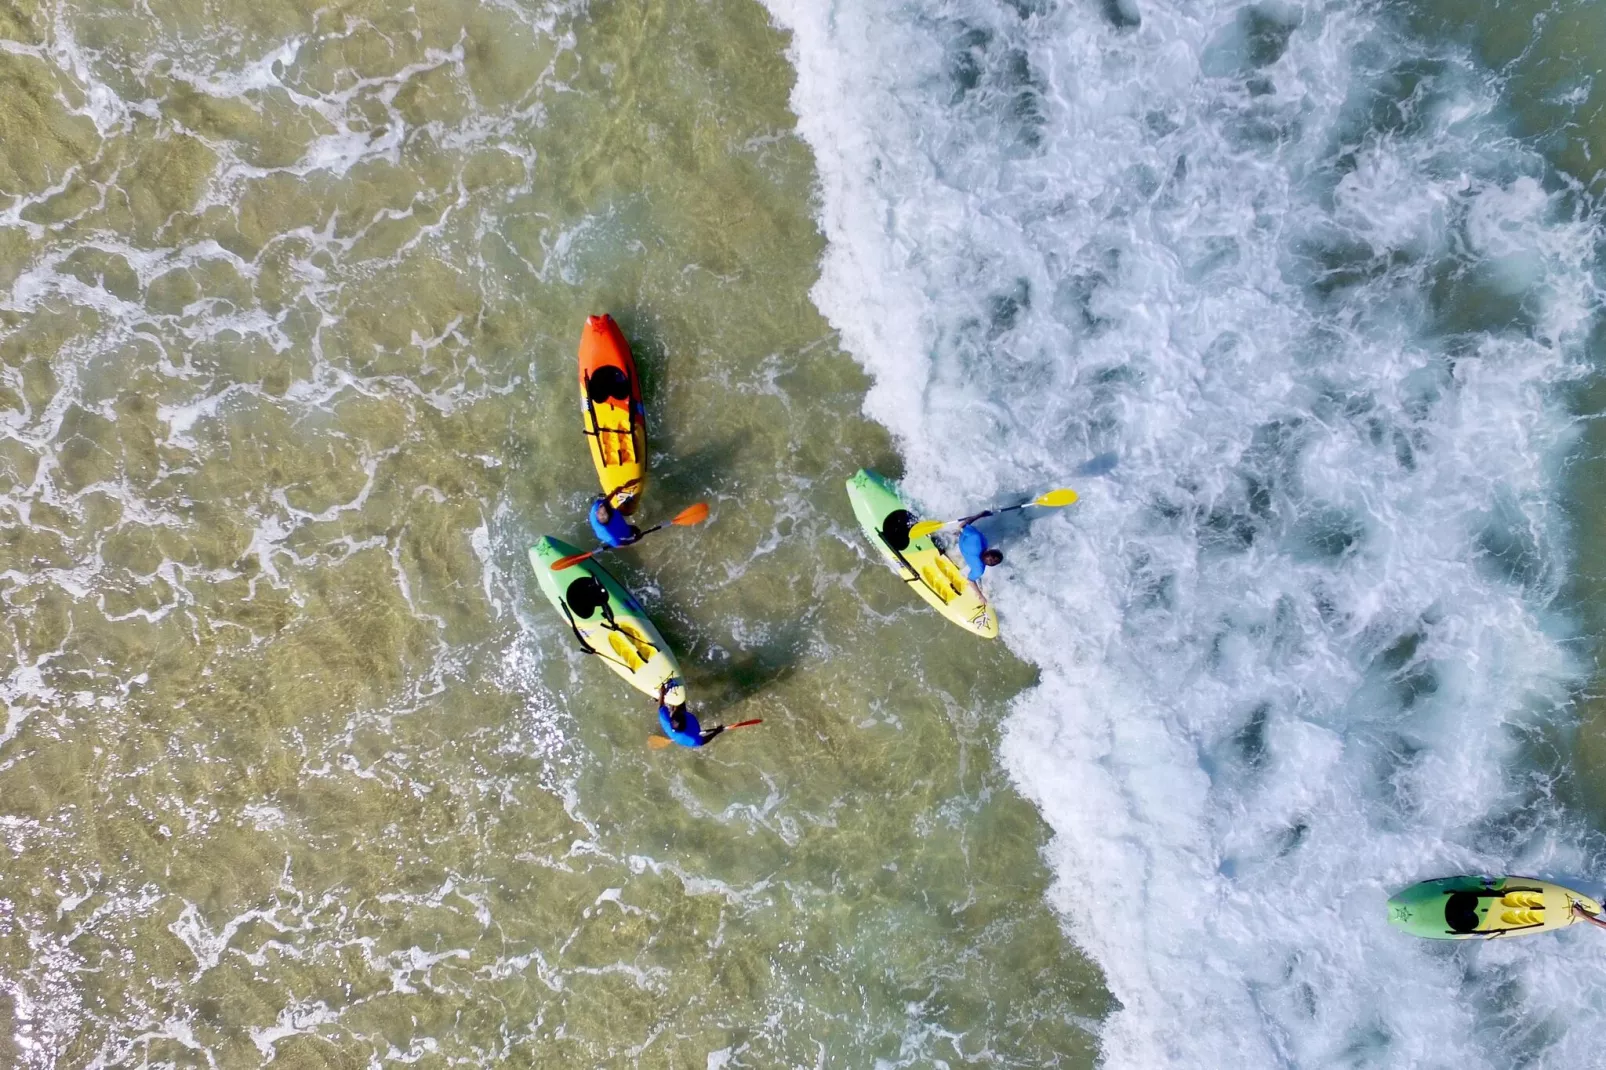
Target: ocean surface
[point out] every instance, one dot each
(297, 766)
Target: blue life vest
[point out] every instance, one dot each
(618, 531)
(972, 544)
(692, 736)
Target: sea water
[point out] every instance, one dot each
(298, 766)
(1323, 278)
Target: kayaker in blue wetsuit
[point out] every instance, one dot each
(680, 725)
(973, 547)
(611, 525)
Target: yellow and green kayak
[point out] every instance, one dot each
(606, 620)
(1482, 908)
(922, 564)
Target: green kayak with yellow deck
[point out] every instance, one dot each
(920, 562)
(606, 620)
(1483, 908)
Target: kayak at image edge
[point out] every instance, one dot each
(886, 519)
(615, 422)
(606, 620)
(1468, 908)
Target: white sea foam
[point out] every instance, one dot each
(1289, 266)
(299, 1017)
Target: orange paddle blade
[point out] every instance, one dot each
(657, 742)
(744, 724)
(573, 559)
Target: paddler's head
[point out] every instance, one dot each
(604, 510)
(991, 557)
(677, 717)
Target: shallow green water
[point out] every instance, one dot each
(297, 763)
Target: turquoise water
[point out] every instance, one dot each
(298, 766)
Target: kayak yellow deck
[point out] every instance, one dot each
(922, 563)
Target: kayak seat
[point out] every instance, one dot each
(1524, 900)
(895, 530)
(585, 596)
(608, 382)
(1461, 912)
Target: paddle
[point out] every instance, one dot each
(660, 742)
(1054, 499)
(692, 514)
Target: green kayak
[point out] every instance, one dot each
(606, 620)
(1468, 908)
(921, 563)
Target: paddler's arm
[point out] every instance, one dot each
(1579, 911)
(622, 497)
(710, 733)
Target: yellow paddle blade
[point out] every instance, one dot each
(657, 742)
(1054, 499)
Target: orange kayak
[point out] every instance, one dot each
(615, 421)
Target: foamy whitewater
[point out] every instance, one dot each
(1292, 269)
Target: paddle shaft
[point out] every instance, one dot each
(660, 742)
(695, 513)
(1053, 499)
(985, 513)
